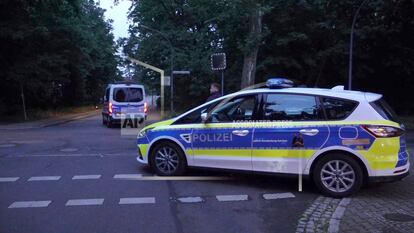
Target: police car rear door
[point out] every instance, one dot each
(292, 130)
(224, 141)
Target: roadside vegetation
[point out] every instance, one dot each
(62, 52)
(58, 53)
(306, 41)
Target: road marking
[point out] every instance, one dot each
(29, 204)
(232, 197)
(272, 196)
(86, 177)
(127, 176)
(7, 145)
(8, 179)
(43, 178)
(137, 200)
(69, 150)
(69, 155)
(190, 199)
(80, 202)
(183, 178)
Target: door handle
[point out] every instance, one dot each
(309, 132)
(240, 132)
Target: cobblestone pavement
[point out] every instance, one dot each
(317, 217)
(382, 208)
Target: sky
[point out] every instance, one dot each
(118, 14)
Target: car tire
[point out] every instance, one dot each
(338, 175)
(103, 120)
(167, 159)
(109, 123)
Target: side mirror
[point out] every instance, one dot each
(203, 117)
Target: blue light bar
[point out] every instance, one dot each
(277, 83)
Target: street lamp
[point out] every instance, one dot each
(351, 45)
(171, 62)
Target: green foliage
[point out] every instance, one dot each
(307, 41)
(61, 51)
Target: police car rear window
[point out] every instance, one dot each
(338, 109)
(291, 107)
(128, 94)
(384, 110)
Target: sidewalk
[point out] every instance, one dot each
(387, 207)
(49, 122)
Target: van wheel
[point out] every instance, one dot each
(167, 159)
(109, 123)
(103, 120)
(338, 175)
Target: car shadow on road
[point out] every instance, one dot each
(247, 179)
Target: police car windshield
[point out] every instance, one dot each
(128, 94)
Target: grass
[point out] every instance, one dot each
(37, 114)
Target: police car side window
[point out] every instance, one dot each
(291, 107)
(337, 109)
(237, 109)
(194, 117)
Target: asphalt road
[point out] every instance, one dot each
(84, 177)
(40, 167)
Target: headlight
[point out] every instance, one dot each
(143, 133)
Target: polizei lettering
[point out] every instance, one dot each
(216, 137)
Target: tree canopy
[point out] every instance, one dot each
(57, 51)
(307, 41)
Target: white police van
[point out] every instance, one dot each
(124, 100)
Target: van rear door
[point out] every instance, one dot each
(129, 99)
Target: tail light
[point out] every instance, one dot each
(382, 131)
(110, 107)
(145, 107)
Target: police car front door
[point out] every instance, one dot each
(225, 140)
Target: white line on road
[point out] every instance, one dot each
(127, 176)
(190, 199)
(29, 204)
(80, 202)
(182, 178)
(8, 179)
(137, 200)
(43, 178)
(272, 196)
(86, 177)
(69, 155)
(232, 197)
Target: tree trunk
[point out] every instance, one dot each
(249, 64)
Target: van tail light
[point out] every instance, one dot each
(382, 131)
(145, 107)
(110, 107)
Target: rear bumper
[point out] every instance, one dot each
(119, 116)
(382, 179)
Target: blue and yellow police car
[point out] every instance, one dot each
(338, 138)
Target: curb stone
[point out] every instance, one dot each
(323, 215)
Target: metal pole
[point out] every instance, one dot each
(172, 81)
(171, 60)
(351, 45)
(23, 102)
(222, 82)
